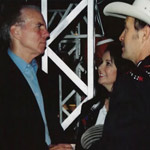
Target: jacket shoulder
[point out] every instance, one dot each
(140, 74)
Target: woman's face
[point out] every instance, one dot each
(107, 71)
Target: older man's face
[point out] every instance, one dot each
(33, 33)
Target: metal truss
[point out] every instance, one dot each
(67, 17)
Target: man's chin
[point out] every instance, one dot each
(126, 57)
(42, 53)
(123, 55)
(42, 50)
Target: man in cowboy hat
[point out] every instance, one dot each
(127, 125)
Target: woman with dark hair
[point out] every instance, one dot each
(94, 111)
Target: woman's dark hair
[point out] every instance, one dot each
(122, 65)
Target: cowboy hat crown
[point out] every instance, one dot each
(140, 9)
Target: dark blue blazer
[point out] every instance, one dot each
(21, 124)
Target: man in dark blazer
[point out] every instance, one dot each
(28, 121)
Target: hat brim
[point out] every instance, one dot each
(122, 10)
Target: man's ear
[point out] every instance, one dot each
(15, 31)
(146, 32)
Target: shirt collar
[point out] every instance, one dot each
(21, 64)
(144, 62)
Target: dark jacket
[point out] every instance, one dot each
(88, 117)
(127, 125)
(21, 124)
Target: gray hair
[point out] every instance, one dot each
(138, 24)
(12, 15)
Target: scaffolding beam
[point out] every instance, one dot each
(88, 89)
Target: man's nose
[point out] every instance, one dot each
(121, 37)
(46, 34)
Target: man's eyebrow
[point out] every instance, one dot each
(39, 23)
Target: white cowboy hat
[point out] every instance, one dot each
(140, 9)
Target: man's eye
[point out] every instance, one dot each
(126, 29)
(39, 25)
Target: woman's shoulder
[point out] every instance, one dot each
(91, 105)
(91, 102)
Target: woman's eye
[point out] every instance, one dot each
(108, 63)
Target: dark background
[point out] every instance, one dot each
(112, 26)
